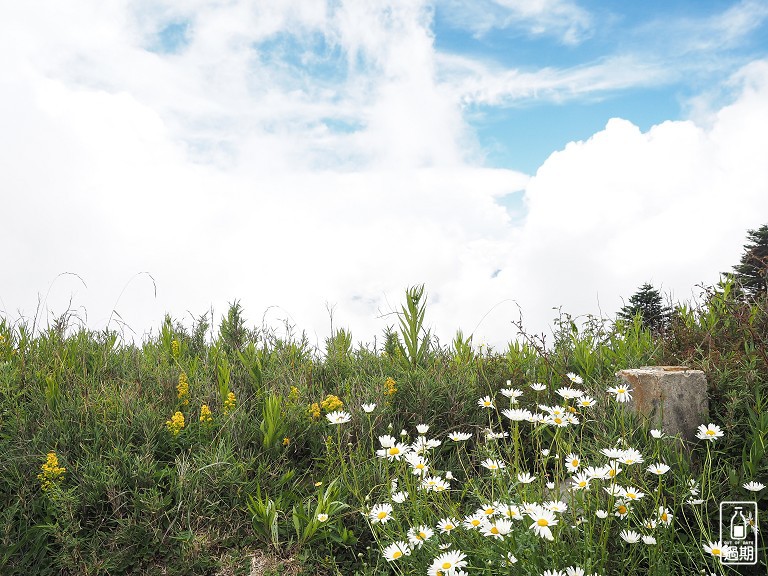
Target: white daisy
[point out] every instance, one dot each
(622, 392)
(659, 468)
(322, 517)
(396, 550)
(525, 478)
(572, 462)
(517, 414)
(538, 387)
(543, 519)
(569, 393)
(448, 563)
(717, 549)
(581, 480)
(630, 536)
(601, 514)
(493, 465)
(380, 513)
(486, 402)
(459, 436)
(399, 497)
(574, 378)
(447, 525)
(512, 393)
(497, 529)
(338, 417)
(422, 428)
(368, 408)
(754, 486)
(710, 432)
(586, 401)
(657, 433)
(417, 536)
(650, 540)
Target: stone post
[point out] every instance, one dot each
(673, 398)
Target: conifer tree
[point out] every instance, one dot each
(648, 302)
(751, 273)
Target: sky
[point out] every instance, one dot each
(314, 158)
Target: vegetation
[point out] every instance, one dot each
(751, 273)
(649, 304)
(245, 451)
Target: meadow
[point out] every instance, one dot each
(237, 449)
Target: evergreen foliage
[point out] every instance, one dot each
(751, 273)
(647, 302)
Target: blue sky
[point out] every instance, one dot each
(309, 155)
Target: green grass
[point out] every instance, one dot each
(248, 492)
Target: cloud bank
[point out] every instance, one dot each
(302, 156)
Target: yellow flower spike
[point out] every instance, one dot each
(390, 387)
(205, 414)
(175, 347)
(314, 411)
(51, 473)
(183, 389)
(176, 424)
(331, 403)
(230, 403)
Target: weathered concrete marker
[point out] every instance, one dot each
(674, 398)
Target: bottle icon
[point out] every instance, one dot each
(739, 525)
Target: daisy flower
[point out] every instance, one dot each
(511, 511)
(391, 449)
(517, 414)
(423, 444)
(572, 462)
(574, 378)
(488, 509)
(630, 456)
(581, 480)
(556, 506)
(498, 529)
(459, 436)
(710, 432)
(399, 497)
(422, 428)
(338, 417)
(630, 536)
(447, 525)
(657, 433)
(586, 402)
(717, 549)
(380, 513)
(538, 387)
(612, 453)
(368, 408)
(448, 563)
(574, 571)
(622, 510)
(512, 393)
(322, 517)
(525, 478)
(474, 521)
(649, 540)
(435, 484)
(623, 393)
(491, 435)
(665, 516)
(632, 493)
(659, 468)
(396, 550)
(486, 402)
(418, 464)
(553, 573)
(417, 536)
(493, 465)
(543, 519)
(754, 486)
(601, 514)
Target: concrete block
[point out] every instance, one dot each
(673, 398)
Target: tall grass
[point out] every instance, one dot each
(192, 454)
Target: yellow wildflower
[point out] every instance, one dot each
(293, 395)
(286, 441)
(183, 389)
(331, 403)
(175, 424)
(230, 403)
(314, 411)
(390, 387)
(205, 414)
(51, 473)
(175, 347)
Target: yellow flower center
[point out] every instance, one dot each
(558, 420)
(394, 451)
(612, 473)
(574, 463)
(582, 484)
(622, 390)
(489, 511)
(710, 432)
(396, 554)
(664, 517)
(381, 515)
(494, 530)
(475, 522)
(715, 551)
(449, 526)
(446, 565)
(422, 535)
(542, 522)
(622, 509)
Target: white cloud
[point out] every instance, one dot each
(563, 19)
(219, 168)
